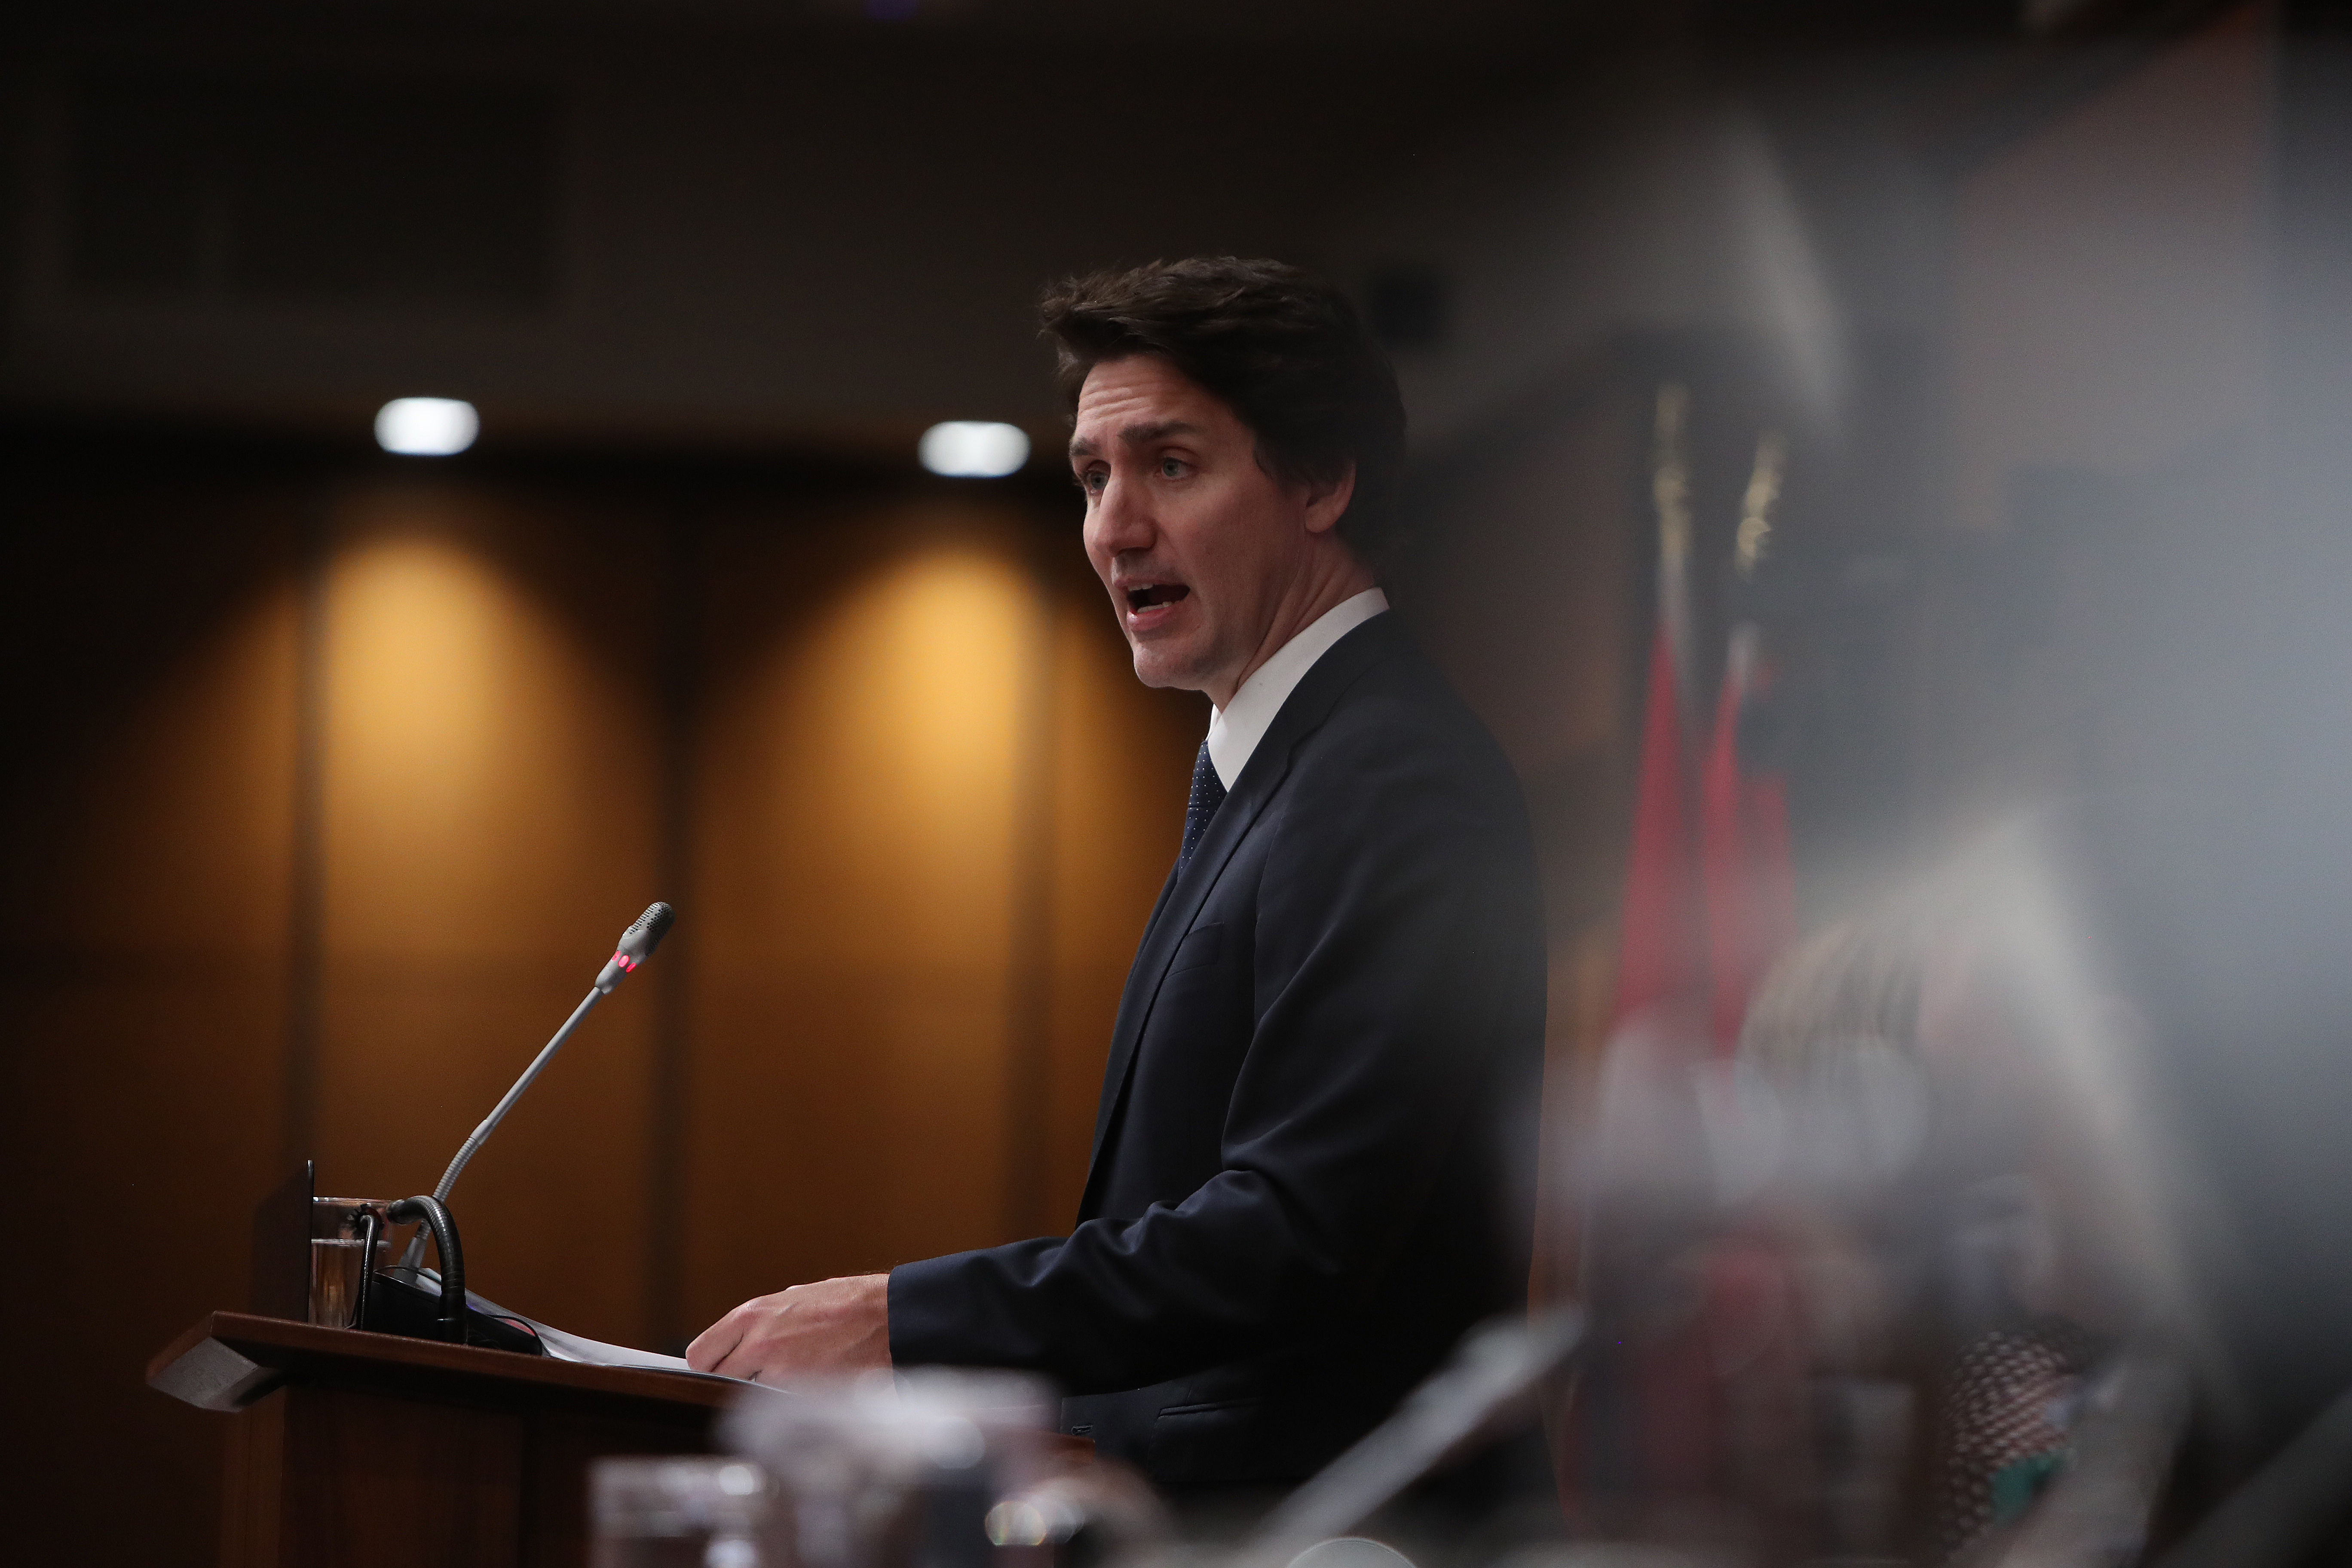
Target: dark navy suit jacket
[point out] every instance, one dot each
(1313, 1159)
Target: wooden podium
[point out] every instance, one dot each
(351, 1450)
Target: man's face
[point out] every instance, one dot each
(1196, 543)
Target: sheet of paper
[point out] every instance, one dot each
(562, 1346)
(596, 1352)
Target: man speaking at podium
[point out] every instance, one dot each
(1312, 1165)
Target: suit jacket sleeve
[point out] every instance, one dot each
(1393, 914)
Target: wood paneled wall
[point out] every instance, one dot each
(333, 795)
(143, 982)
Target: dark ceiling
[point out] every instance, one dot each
(1454, 25)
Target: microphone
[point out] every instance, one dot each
(635, 946)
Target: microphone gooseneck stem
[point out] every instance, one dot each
(629, 955)
(415, 1256)
(433, 1220)
(497, 1113)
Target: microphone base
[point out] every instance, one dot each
(400, 1302)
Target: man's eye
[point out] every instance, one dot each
(1171, 468)
(1091, 480)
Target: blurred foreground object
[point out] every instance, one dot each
(1871, 1289)
(2275, 1517)
(933, 1469)
(1088, 1511)
(2096, 1515)
(678, 1514)
(1493, 1374)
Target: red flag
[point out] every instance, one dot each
(1661, 952)
(1688, 1394)
(1748, 870)
(1660, 955)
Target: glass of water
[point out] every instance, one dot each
(336, 1244)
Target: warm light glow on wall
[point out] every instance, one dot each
(418, 633)
(859, 855)
(894, 729)
(459, 764)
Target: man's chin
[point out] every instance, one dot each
(1159, 667)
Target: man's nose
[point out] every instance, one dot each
(1122, 516)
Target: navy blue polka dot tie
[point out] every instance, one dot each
(1208, 793)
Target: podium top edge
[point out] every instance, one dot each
(224, 1360)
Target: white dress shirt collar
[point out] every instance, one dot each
(1235, 729)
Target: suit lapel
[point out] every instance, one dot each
(1309, 703)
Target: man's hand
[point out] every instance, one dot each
(833, 1328)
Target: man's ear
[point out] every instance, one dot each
(1326, 500)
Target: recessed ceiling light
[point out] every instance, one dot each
(426, 426)
(974, 449)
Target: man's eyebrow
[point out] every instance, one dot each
(1140, 435)
(1137, 435)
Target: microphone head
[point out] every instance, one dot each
(636, 945)
(646, 932)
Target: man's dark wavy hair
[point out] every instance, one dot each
(1283, 349)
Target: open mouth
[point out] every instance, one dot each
(1151, 594)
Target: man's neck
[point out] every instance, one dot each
(1316, 594)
